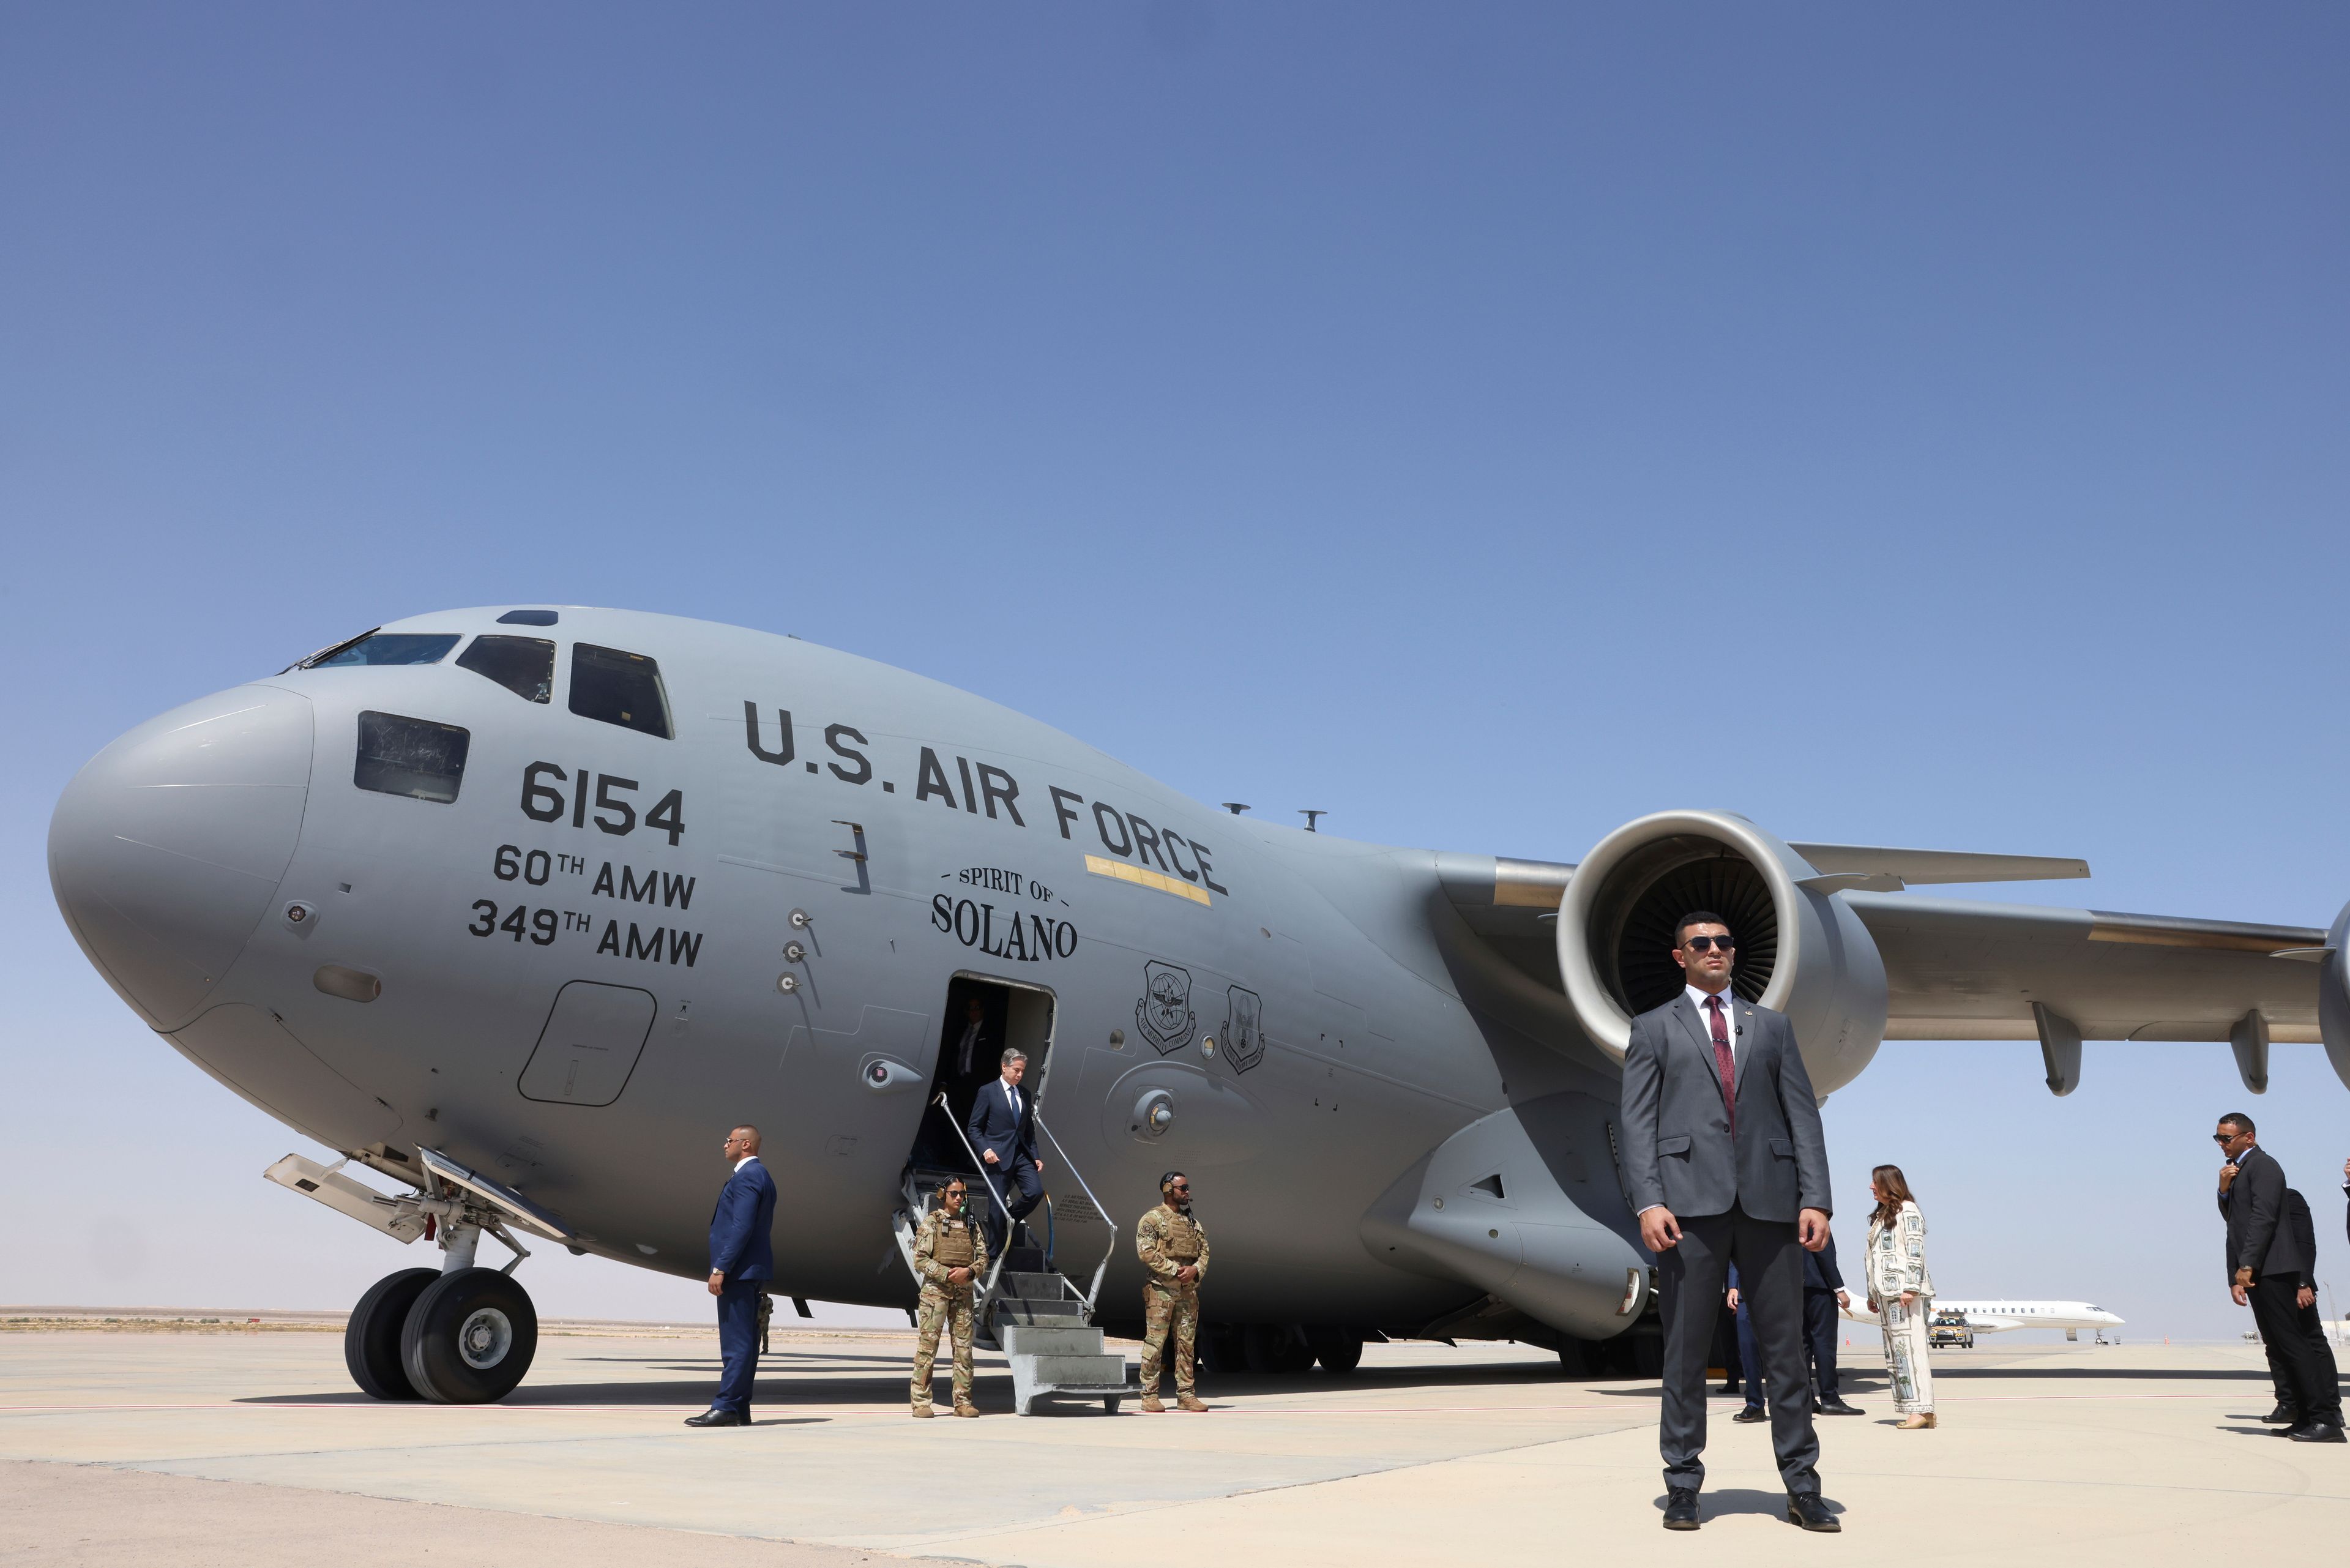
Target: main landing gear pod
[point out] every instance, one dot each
(456, 1335)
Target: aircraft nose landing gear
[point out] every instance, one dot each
(469, 1338)
(371, 1339)
(457, 1334)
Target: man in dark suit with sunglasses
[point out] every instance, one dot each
(1726, 1162)
(2267, 1270)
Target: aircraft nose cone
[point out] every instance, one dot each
(167, 849)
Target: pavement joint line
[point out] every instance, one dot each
(505, 1409)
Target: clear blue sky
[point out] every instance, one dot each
(1421, 412)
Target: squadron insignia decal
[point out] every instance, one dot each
(1164, 1015)
(1244, 1028)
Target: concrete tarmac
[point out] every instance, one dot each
(2048, 1453)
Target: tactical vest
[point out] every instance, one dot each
(1178, 1237)
(953, 1245)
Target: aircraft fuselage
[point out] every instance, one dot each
(580, 968)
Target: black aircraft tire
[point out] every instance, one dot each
(470, 1338)
(1339, 1350)
(1275, 1349)
(371, 1338)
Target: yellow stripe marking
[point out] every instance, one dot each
(1142, 878)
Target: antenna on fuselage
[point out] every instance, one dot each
(1313, 816)
(1236, 807)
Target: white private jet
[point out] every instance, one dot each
(1997, 1316)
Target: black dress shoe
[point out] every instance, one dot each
(1680, 1507)
(1804, 1508)
(1836, 1406)
(1753, 1412)
(2317, 1432)
(719, 1418)
(2282, 1416)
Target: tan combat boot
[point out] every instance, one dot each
(1151, 1404)
(923, 1411)
(970, 1411)
(1189, 1401)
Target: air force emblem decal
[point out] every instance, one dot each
(1164, 1015)
(1243, 1034)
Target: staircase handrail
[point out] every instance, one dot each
(1094, 1290)
(987, 1291)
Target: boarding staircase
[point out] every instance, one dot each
(1026, 1307)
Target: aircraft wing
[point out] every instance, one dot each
(1955, 969)
(1961, 970)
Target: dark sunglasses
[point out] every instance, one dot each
(1180, 1187)
(2225, 1138)
(1706, 944)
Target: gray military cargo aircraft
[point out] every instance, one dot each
(521, 908)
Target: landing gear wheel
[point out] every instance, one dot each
(1278, 1349)
(1339, 1350)
(371, 1339)
(469, 1338)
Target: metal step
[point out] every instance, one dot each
(1050, 1339)
(1025, 1286)
(1012, 1312)
(1107, 1369)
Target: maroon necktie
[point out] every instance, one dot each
(1723, 1060)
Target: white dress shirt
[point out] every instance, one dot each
(744, 1161)
(1697, 999)
(1012, 1092)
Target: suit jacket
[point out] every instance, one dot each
(993, 1126)
(983, 1050)
(1678, 1150)
(1820, 1271)
(2305, 1234)
(740, 1247)
(2254, 1208)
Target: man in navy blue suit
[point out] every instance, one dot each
(1004, 1131)
(1823, 1294)
(741, 1258)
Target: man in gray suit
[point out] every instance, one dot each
(1725, 1157)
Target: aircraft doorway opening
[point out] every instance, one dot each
(983, 1019)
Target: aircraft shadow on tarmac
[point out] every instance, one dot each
(881, 1379)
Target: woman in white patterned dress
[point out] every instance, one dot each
(1901, 1294)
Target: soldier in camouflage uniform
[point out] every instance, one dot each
(950, 1252)
(1175, 1251)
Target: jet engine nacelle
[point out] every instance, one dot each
(2334, 997)
(1801, 949)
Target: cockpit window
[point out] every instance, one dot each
(523, 665)
(387, 648)
(615, 687)
(419, 758)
